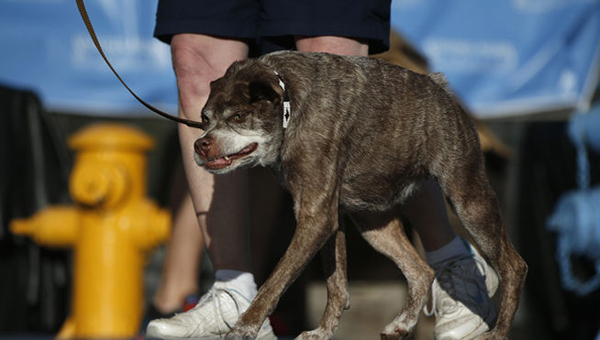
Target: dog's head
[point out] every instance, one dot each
(241, 119)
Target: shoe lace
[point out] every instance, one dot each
(452, 278)
(214, 295)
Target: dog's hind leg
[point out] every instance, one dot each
(385, 233)
(477, 207)
(333, 256)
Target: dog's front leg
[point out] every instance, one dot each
(334, 264)
(317, 220)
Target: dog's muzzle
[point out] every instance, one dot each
(210, 158)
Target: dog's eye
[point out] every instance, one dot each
(205, 119)
(239, 116)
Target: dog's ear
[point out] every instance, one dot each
(263, 90)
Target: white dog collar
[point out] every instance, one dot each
(287, 111)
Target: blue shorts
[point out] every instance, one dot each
(277, 20)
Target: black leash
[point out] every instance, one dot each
(90, 28)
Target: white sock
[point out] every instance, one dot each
(239, 280)
(454, 249)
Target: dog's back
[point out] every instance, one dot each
(387, 125)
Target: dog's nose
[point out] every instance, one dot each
(202, 146)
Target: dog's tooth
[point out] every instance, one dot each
(226, 158)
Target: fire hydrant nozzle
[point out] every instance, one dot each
(55, 227)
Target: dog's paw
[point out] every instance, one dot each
(396, 334)
(315, 334)
(240, 334)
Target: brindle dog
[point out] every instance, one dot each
(362, 135)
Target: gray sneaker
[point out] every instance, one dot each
(213, 316)
(461, 295)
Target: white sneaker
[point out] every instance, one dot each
(491, 277)
(213, 316)
(461, 298)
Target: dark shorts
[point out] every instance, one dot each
(277, 20)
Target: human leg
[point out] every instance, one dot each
(332, 44)
(179, 277)
(195, 69)
(219, 202)
(426, 211)
(464, 281)
(198, 60)
(201, 52)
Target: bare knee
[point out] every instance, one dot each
(197, 60)
(205, 55)
(332, 44)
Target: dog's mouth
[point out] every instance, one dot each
(225, 161)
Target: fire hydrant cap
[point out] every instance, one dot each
(110, 135)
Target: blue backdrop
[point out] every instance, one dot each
(503, 58)
(509, 57)
(46, 48)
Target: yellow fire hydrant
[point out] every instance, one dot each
(111, 227)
